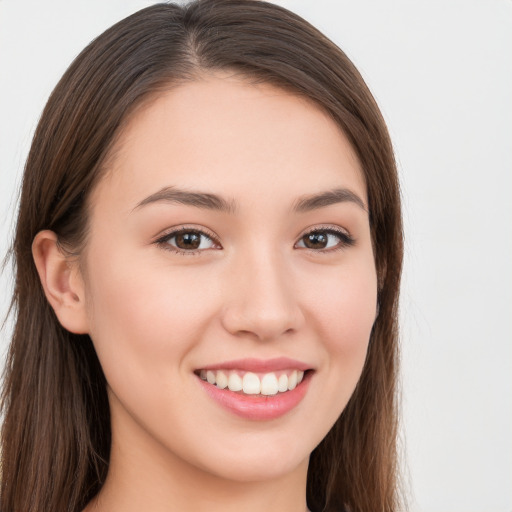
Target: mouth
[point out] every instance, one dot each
(250, 383)
(255, 389)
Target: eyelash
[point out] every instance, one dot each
(345, 239)
(163, 241)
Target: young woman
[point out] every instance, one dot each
(208, 255)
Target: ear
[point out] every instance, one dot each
(62, 282)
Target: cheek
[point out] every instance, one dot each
(142, 314)
(146, 319)
(346, 308)
(341, 312)
(344, 314)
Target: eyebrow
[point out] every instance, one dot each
(210, 201)
(203, 200)
(327, 198)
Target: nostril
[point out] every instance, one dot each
(260, 324)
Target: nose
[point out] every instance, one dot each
(262, 302)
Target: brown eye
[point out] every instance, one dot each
(315, 241)
(322, 239)
(187, 241)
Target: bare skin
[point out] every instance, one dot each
(266, 279)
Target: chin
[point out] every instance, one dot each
(259, 468)
(258, 458)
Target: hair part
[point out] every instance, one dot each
(56, 433)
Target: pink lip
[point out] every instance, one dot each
(258, 407)
(260, 365)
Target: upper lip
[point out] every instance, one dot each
(260, 365)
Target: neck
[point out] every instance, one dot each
(144, 475)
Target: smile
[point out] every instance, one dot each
(249, 383)
(256, 389)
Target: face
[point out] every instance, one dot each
(229, 276)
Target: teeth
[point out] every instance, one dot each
(210, 377)
(235, 382)
(282, 383)
(268, 384)
(292, 380)
(251, 384)
(222, 380)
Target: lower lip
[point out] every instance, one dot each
(258, 407)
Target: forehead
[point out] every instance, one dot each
(225, 134)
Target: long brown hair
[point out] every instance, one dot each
(56, 430)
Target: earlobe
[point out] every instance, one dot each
(61, 281)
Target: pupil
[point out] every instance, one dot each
(188, 240)
(316, 241)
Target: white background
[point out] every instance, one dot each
(442, 72)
